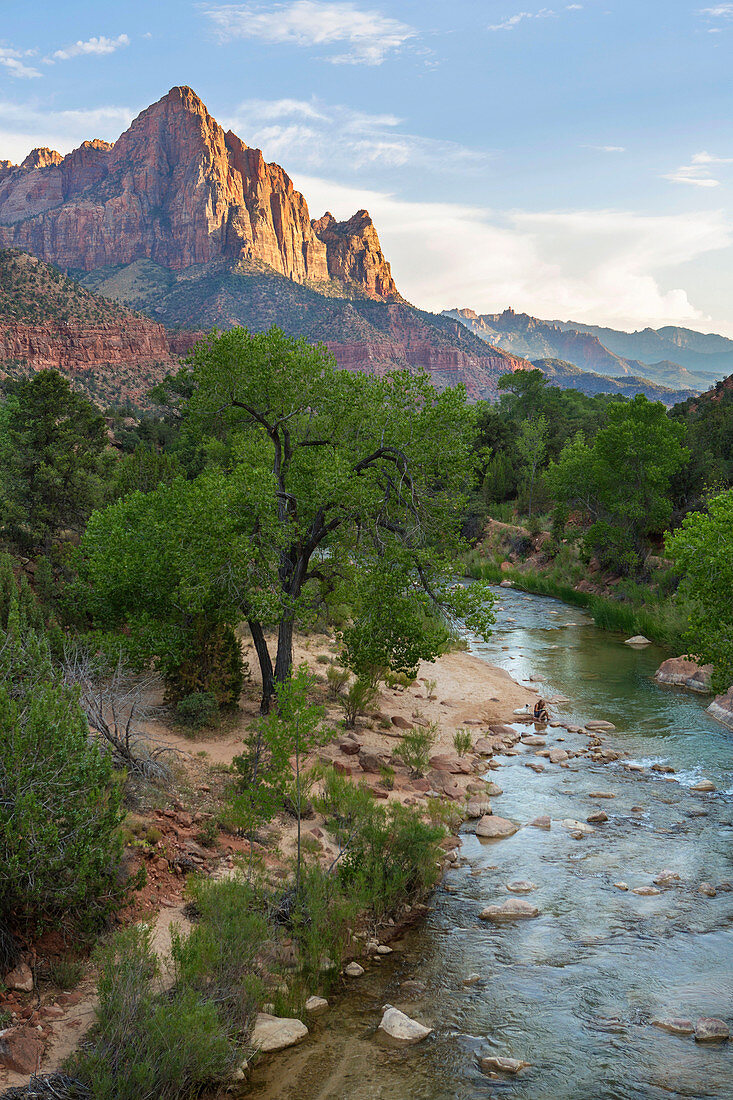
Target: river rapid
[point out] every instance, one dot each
(574, 991)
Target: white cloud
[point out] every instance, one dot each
(24, 127)
(698, 172)
(719, 11)
(544, 13)
(12, 61)
(607, 148)
(368, 36)
(98, 46)
(602, 267)
(311, 136)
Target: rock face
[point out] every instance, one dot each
(177, 189)
(721, 708)
(684, 672)
(400, 1029)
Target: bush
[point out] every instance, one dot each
(197, 710)
(462, 741)
(357, 700)
(414, 748)
(211, 664)
(337, 679)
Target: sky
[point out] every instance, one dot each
(572, 161)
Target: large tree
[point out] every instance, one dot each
(330, 477)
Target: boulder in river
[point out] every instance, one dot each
(276, 1033)
(675, 1026)
(558, 755)
(709, 1029)
(667, 878)
(314, 1006)
(721, 708)
(493, 1064)
(686, 673)
(400, 1029)
(638, 639)
(510, 910)
(542, 822)
(646, 891)
(521, 886)
(495, 828)
(599, 724)
(597, 818)
(477, 807)
(354, 970)
(703, 785)
(574, 826)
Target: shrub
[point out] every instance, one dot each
(66, 971)
(337, 679)
(462, 741)
(414, 748)
(211, 663)
(430, 686)
(357, 700)
(197, 710)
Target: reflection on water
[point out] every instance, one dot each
(574, 991)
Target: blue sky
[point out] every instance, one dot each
(573, 161)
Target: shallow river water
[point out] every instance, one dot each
(574, 991)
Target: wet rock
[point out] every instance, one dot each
(646, 891)
(703, 785)
(510, 910)
(521, 886)
(601, 794)
(534, 739)
(400, 1029)
(275, 1033)
(354, 970)
(21, 1049)
(535, 766)
(20, 979)
(663, 769)
(384, 949)
(495, 828)
(709, 1029)
(707, 890)
(638, 639)
(412, 986)
(510, 1066)
(557, 756)
(315, 1006)
(472, 979)
(599, 724)
(542, 822)
(574, 826)
(667, 878)
(597, 818)
(478, 807)
(675, 1026)
(686, 673)
(492, 789)
(721, 708)
(621, 885)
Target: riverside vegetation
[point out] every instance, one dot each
(276, 493)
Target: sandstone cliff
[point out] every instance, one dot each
(177, 189)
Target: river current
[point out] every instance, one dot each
(574, 991)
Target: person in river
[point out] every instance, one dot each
(540, 712)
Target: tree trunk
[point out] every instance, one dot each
(263, 656)
(284, 659)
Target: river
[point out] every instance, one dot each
(574, 991)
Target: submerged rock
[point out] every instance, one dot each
(667, 878)
(709, 1029)
(276, 1033)
(646, 891)
(400, 1029)
(502, 1065)
(521, 886)
(621, 885)
(316, 1005)
(354, 970)
(510, 910)
(675, 1026)
(577, 826)
(542, 822)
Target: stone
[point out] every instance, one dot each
(598, 724)
(400, 1029)
(484, 747)
(349, 746)
(638, 639)
(707, 890)
(709, 1029)
(574, 826)
(504, 731)
(646, 891)
(472, 979)
(621, 885)
(315, 1006)
(20, 979)
(542, 822)
(384, 949)
(450, 764)
(21, 1049)
(353, 970)
(492, 789)
(533, 739)
(272, 1033)
(675, 1026)
(411, 985)
(478, 807)
(721, 708)
(506, 583)
(521, 886)
(400, 722)
(494, 1064)
(686, 673)
(534, 765)
(597, 818)
(557, 756)
(495, 828)
(510, 910)
(667, 878)
(703, 785)
(372, 761)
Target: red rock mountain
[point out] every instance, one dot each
(177, 189)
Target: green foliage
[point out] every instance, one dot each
(532, 447)
(337, 680)
(357, 699)
(462, 741)
(53, 441)
(414, 748)
(143, 470)
(197, 710)
(66, 971)
(702, 551)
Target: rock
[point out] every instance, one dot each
(412, 986)
(384, 949)
(510, 910)
(533, 739)
(495, 828)
(349, 746)
(667, 878)
(542, 822)
(684, 672)
(703, 785)
(534, 765)
(638, 639)
(21, 1049)
(354, 970)
(709, 1029)
(506, 583)
(276, 1033)
(621, 885)
(400, 1029)
(521, 886)
(472, 979)
(484, 747)
(646, 891)
(707, 889)
(478, 807)
(721, 708)
(314, 1006)
(597, 818)
(492, 789)
(557, 756)
(574, 826)
(372, 761)
(502, 1065)
(601, 794)
(675, 1026)
(598, 724)
(400, 722)
(450, 764)
(20, 979)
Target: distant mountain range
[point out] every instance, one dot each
(678, 358)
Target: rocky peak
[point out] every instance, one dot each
(355, 255)
(42, 158)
